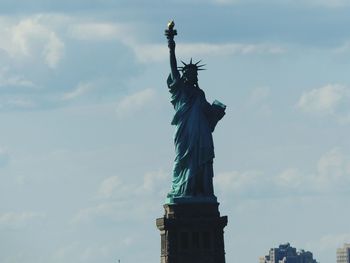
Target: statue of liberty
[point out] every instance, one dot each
(195, 120)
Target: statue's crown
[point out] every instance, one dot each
(191, 66)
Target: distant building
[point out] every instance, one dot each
(287, 254)
(343, 254)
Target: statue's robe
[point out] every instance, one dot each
(195, 120)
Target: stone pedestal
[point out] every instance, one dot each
(192, 233)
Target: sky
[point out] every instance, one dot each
(86, 145)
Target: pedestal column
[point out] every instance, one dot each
(192, 233)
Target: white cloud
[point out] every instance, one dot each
(331, 163)
(333, 170)
(21, 103)
(81, 89)
(155, 184)
(323, 100)
(239, 182)
(259, 94)
(18, 219)
(17, 102)
(30, 38)
(290, 178)
(145, 53)
(53, 51)
(81, 252)
(65, 252)
(100, 31)
(342, 48)
(135, 102)
(114, 187)
(115, 195)
(229, 49)
(344, 119)
(258, 100)
(93, 250)
(100, 210)
(330, 175)
(124, 33)
(9, 80)
(158, 52)
(110, 210)
(108, 186)
(154, 181)
(330, 242)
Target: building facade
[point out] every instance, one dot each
(343, 254)
(285, 253)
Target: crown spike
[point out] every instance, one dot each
(191, 65)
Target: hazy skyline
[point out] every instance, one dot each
(86, 148)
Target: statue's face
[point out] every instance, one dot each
(190, 76)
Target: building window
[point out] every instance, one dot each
(195, 240)
(184, 240)
(206, 240)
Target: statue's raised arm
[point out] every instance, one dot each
(170, 33)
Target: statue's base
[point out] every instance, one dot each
(192, 233)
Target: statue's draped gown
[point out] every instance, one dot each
(195, 119)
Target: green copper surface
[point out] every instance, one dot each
(194, 120)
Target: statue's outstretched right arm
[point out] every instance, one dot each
(170, 33)
(173, 64)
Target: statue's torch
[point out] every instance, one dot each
(170, 32)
